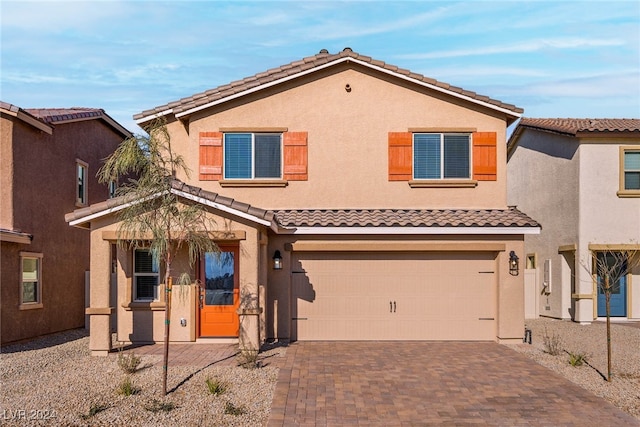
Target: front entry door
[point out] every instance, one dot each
(219, 293)
(618, 301)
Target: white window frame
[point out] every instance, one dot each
(144, 274)
(82, 183)
(442, 160)
(28, 305)
(253, 155)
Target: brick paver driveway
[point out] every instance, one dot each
(427, 383)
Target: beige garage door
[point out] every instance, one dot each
(394, 296)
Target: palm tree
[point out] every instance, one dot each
(154, 217)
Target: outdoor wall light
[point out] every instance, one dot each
(514, 267)
(277, 261)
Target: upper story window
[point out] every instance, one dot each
(252, 156)
(441, 156)
(145, 276)
(82, 169)
(31, 280)
(629, 172)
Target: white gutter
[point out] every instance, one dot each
(411, 230)
(321, 67)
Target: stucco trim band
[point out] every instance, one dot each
(384, 246)
(614, 247)
(114, 235)
(582, 296)
(444, 183)
(253, 183)
(22, 238)
(567, 248)
(100, 310)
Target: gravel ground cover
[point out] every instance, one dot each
(591, 340)
(54, 381)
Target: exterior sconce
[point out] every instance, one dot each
(514, 267)
(277, 261)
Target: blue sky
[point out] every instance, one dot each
(554, 59)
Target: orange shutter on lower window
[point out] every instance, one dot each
(400, 156)
(210, 167)
(295, 154)
(485, 162)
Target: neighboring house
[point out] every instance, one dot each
(355, 201)
(49, 161)
(581, 179)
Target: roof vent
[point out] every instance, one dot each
(324, 51)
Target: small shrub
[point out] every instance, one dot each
(231, 409)
(128, 362)
(216, 387)
(248, 359)
(95, 408)
(577, 359)
(158, 406)
(126, 387)
(552, 343)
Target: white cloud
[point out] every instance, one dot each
(522, 47)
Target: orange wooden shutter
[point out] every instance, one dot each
(210, 156)
(485, 163)
(295, 156)
(400, 156)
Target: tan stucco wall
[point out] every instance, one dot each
(510, 297)
(43, 190)
(347, 141)
(570, 185)
(146, 324)
(6, 172)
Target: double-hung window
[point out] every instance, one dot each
(441, 156)
(632, 170)
(81, 183)
(145, 276)
(252, 156)
(30, 280)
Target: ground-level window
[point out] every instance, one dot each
(30, 279)
(441, 156)
(145, 276)
(82, 169)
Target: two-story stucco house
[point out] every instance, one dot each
(581, 179)
(356, 201)
(49, 161)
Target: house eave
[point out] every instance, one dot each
(410, 230)
(512, 114)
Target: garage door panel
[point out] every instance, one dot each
(394, 296)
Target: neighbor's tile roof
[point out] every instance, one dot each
(576, 126)
(56, 115)
(511, 217)
(303, 65)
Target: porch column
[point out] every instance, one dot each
(99, 310)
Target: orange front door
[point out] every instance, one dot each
(219, 294)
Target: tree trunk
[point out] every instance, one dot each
(167, 324)
(607, 295)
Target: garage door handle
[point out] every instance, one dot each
(486, 318)
(394, 306)
(390, 307)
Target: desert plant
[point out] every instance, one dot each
(127, 388)
(552, 343)
(216, 387)
(248, 359)
(128, 362)
(95, 408)
(158, 406)
(231, 409)
(577, 359)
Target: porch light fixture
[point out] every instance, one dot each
(277, 261)
(514, 267)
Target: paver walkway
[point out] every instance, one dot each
(428, 383)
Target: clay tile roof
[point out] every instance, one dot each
(295, 67)
(56, 115)
(404, 218)
(575, 126)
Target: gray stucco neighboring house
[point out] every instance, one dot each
(581, 179)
